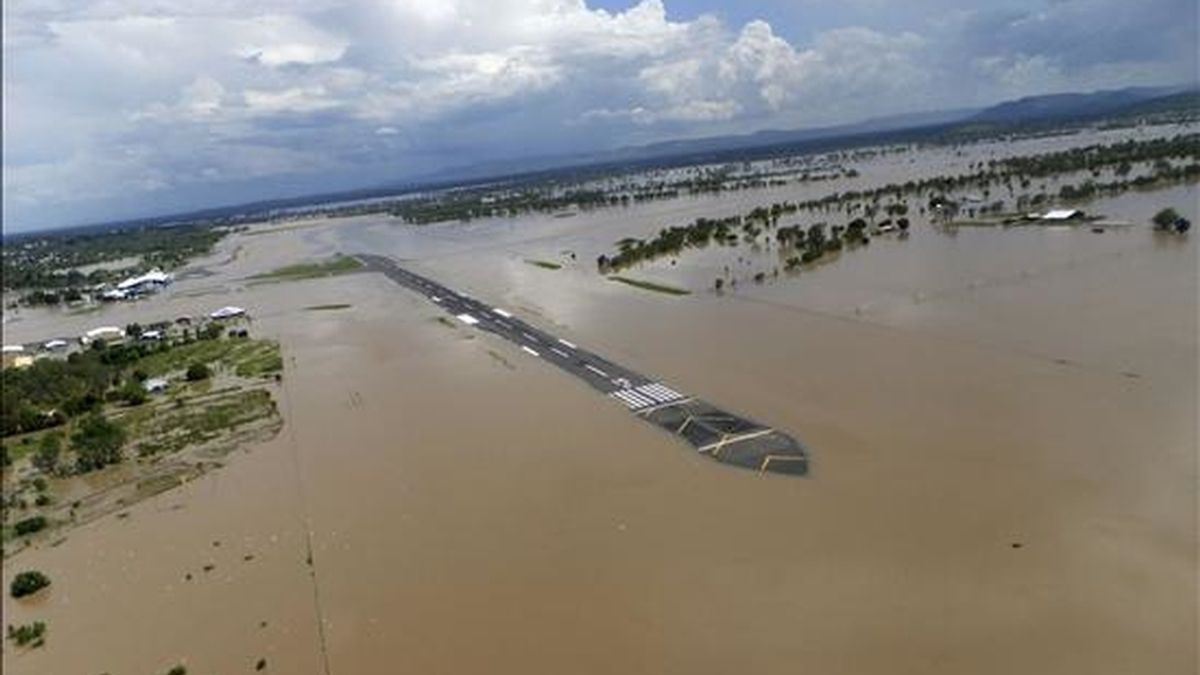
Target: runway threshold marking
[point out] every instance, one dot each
(730, 440)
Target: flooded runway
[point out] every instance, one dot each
(715, 433)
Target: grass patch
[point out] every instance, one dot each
(339, 264)
(169, 429)
(247, 357)
(544, 264)
(328, 307)
(650, 286)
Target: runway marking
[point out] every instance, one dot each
(502, 313)
(435, 298)
(560, 352)
(642, 399)
(716, 447)
(523, 347)
(569, 344)
(766, 463)
(658, 392)
(529, 337)
(628, 402)
(632, 399)
(595, 370)
(468, 319)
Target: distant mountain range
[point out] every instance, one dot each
(1068, 106)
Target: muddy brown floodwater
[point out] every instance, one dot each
(1003, 428)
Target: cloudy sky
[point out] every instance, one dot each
(122, 108)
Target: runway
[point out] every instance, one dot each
(715, 433)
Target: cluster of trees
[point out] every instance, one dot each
(891, 200)
(52, 391)
(672, 240)
(49, 261)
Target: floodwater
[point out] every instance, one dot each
(1002, 424)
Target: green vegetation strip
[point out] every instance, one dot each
(544, 264)
(651, 286)
(328, 307)
(311, 270)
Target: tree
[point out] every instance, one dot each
(133, 393)
(197, 372)
(97, 443)
(1164, 219)
(28, 583)
(49, 449)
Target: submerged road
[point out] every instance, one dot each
(715, 433)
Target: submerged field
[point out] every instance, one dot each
(1001, 421)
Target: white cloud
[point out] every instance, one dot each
(120, 96)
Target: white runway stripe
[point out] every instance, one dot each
(569, 344)
(628, 404)
(658, 395)
(560, 352)
(595, 370)
(642, 399)
(633, 399)
(660, 392)
(527, 349)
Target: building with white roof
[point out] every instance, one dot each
(150, 281)
(1062, 214)
(228, 312)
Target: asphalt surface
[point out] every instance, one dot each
(721, 435)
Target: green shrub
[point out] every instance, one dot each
(28, 583)
(30, 633)
(197, 372)
(29, 525)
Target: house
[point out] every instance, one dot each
(152, 335)
(1062, 214)
(229, 312)
(54, 345)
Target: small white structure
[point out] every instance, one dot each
(13, 349)
(227, 313)
(1062, 214)
(152, 335)
(114, 294)
(155, 385)
(103, 333)
(54, 345)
